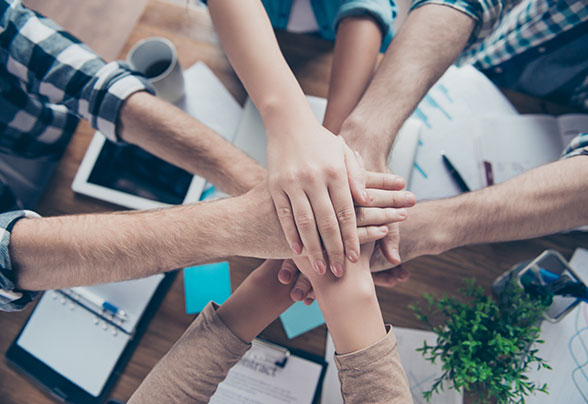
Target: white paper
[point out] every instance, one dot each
(66, 337)
(566, 351)
(571, 125)
(420, 373)
(449, 112)
(515, 144)
(257, 380)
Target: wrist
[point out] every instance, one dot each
(373, 144)
(279, 114)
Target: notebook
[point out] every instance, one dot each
(77, 340)
(511, 145)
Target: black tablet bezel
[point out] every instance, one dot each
(61, 388)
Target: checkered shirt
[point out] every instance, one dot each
(506, 28)
(48, 81)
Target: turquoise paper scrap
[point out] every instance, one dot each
(205, 283)
(301, 318)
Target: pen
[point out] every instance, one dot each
(97, 301)
(455, 174)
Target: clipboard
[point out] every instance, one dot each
(75, 353)
(273, 374)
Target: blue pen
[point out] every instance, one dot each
(99, 302)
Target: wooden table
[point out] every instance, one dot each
(191, 31)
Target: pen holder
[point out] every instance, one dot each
(550, 277)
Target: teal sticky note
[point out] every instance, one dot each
(301, 318)
(205, 283)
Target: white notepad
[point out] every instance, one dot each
(75, 342)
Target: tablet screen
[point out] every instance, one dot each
(132, 170)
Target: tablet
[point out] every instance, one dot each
(75, 353)
(129, 176)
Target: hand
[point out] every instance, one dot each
(258, 228)
(382, 274)
(314, 178)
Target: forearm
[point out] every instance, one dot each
(542, 201)
(250, 43)
(215, 341)
(80, 250)
(167, 132)
(430, 40)
(349, 305)
(354, 60)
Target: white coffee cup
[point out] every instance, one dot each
(157, 59)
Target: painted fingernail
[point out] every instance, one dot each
(320, 267)
(337, 269)
(285, 276)
(298, 294)
(297, 248)
(353, 256)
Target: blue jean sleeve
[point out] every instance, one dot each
(11, 299)
(382, 11)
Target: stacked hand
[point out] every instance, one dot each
(313, 180)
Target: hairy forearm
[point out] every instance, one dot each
(429, 41)
(80, 250)
(354, 60)
(248, 38)
(169, 133)
(546, 200)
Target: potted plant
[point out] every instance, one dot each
(486, 346)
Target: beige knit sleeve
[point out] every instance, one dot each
(196, 364)
(374, 375)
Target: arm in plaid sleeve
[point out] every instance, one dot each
(485, 13)
(11, 299)
(577, 147)
(52, 63)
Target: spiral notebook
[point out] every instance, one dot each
(77, 342)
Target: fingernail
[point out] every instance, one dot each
(353, 256)
(366, 197)
(285, 276)
(308, 302)
(320, 267)
(396, 255)
(297, 248)
(383, 229)
(402, 213)
(337, 269)
(298, 294)
(410, 198)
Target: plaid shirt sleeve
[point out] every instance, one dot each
(11, 299)
(577, 147)
(54, 65)
(486, 13)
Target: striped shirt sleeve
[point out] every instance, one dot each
(577, 147)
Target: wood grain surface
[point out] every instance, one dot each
(190, 29)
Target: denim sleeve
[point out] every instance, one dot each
(577, 147)
(486, 13)
(382, 11)
(53, 64)
(11, 299)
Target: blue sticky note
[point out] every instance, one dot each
(301, 318)
(205, 283)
